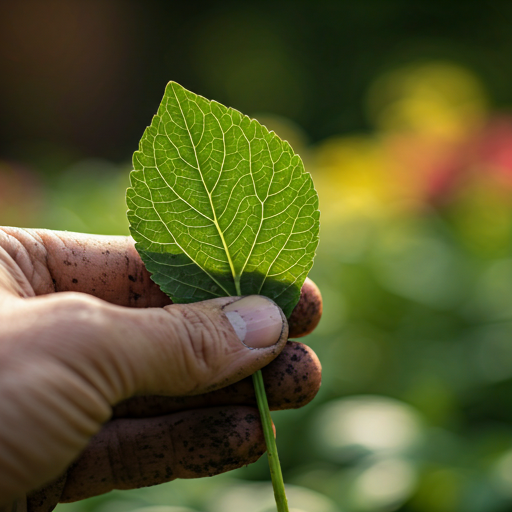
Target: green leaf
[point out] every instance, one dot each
(218, 205)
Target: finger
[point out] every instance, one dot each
(176, 350)
(107, 267)
(308, 311)
(46, 498)
(292, 380)
(128, 454)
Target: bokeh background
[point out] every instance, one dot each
(401, 112)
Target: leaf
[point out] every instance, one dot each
(218, 205)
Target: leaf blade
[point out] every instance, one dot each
(219, 203)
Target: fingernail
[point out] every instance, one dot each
(258, 321)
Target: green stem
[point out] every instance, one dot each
(268, 432)
(270, 440)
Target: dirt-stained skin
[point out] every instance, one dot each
(110, 268)
(184, 437)
(292, 380)
(307, 312)
(175, 437)
(204, 442)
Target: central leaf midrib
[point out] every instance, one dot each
(261, 202)
(236, 278)
(172, 236)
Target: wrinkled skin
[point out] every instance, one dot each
(105, 385)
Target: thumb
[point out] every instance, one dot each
(66, 357)
(186, 349)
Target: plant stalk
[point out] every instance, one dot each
(270, 440)
(268, 432)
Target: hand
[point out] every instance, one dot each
(104, 385)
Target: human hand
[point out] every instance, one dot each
(176, 375)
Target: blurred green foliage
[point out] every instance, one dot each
(412, 158)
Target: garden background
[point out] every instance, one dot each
(401, 112)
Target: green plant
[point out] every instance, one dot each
(220, 206)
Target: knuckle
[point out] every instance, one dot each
(76, 314)
(81, 309)
(27, 263)
(202, 342)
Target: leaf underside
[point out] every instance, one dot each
(218, 203)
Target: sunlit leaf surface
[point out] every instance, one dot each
(218, 204)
